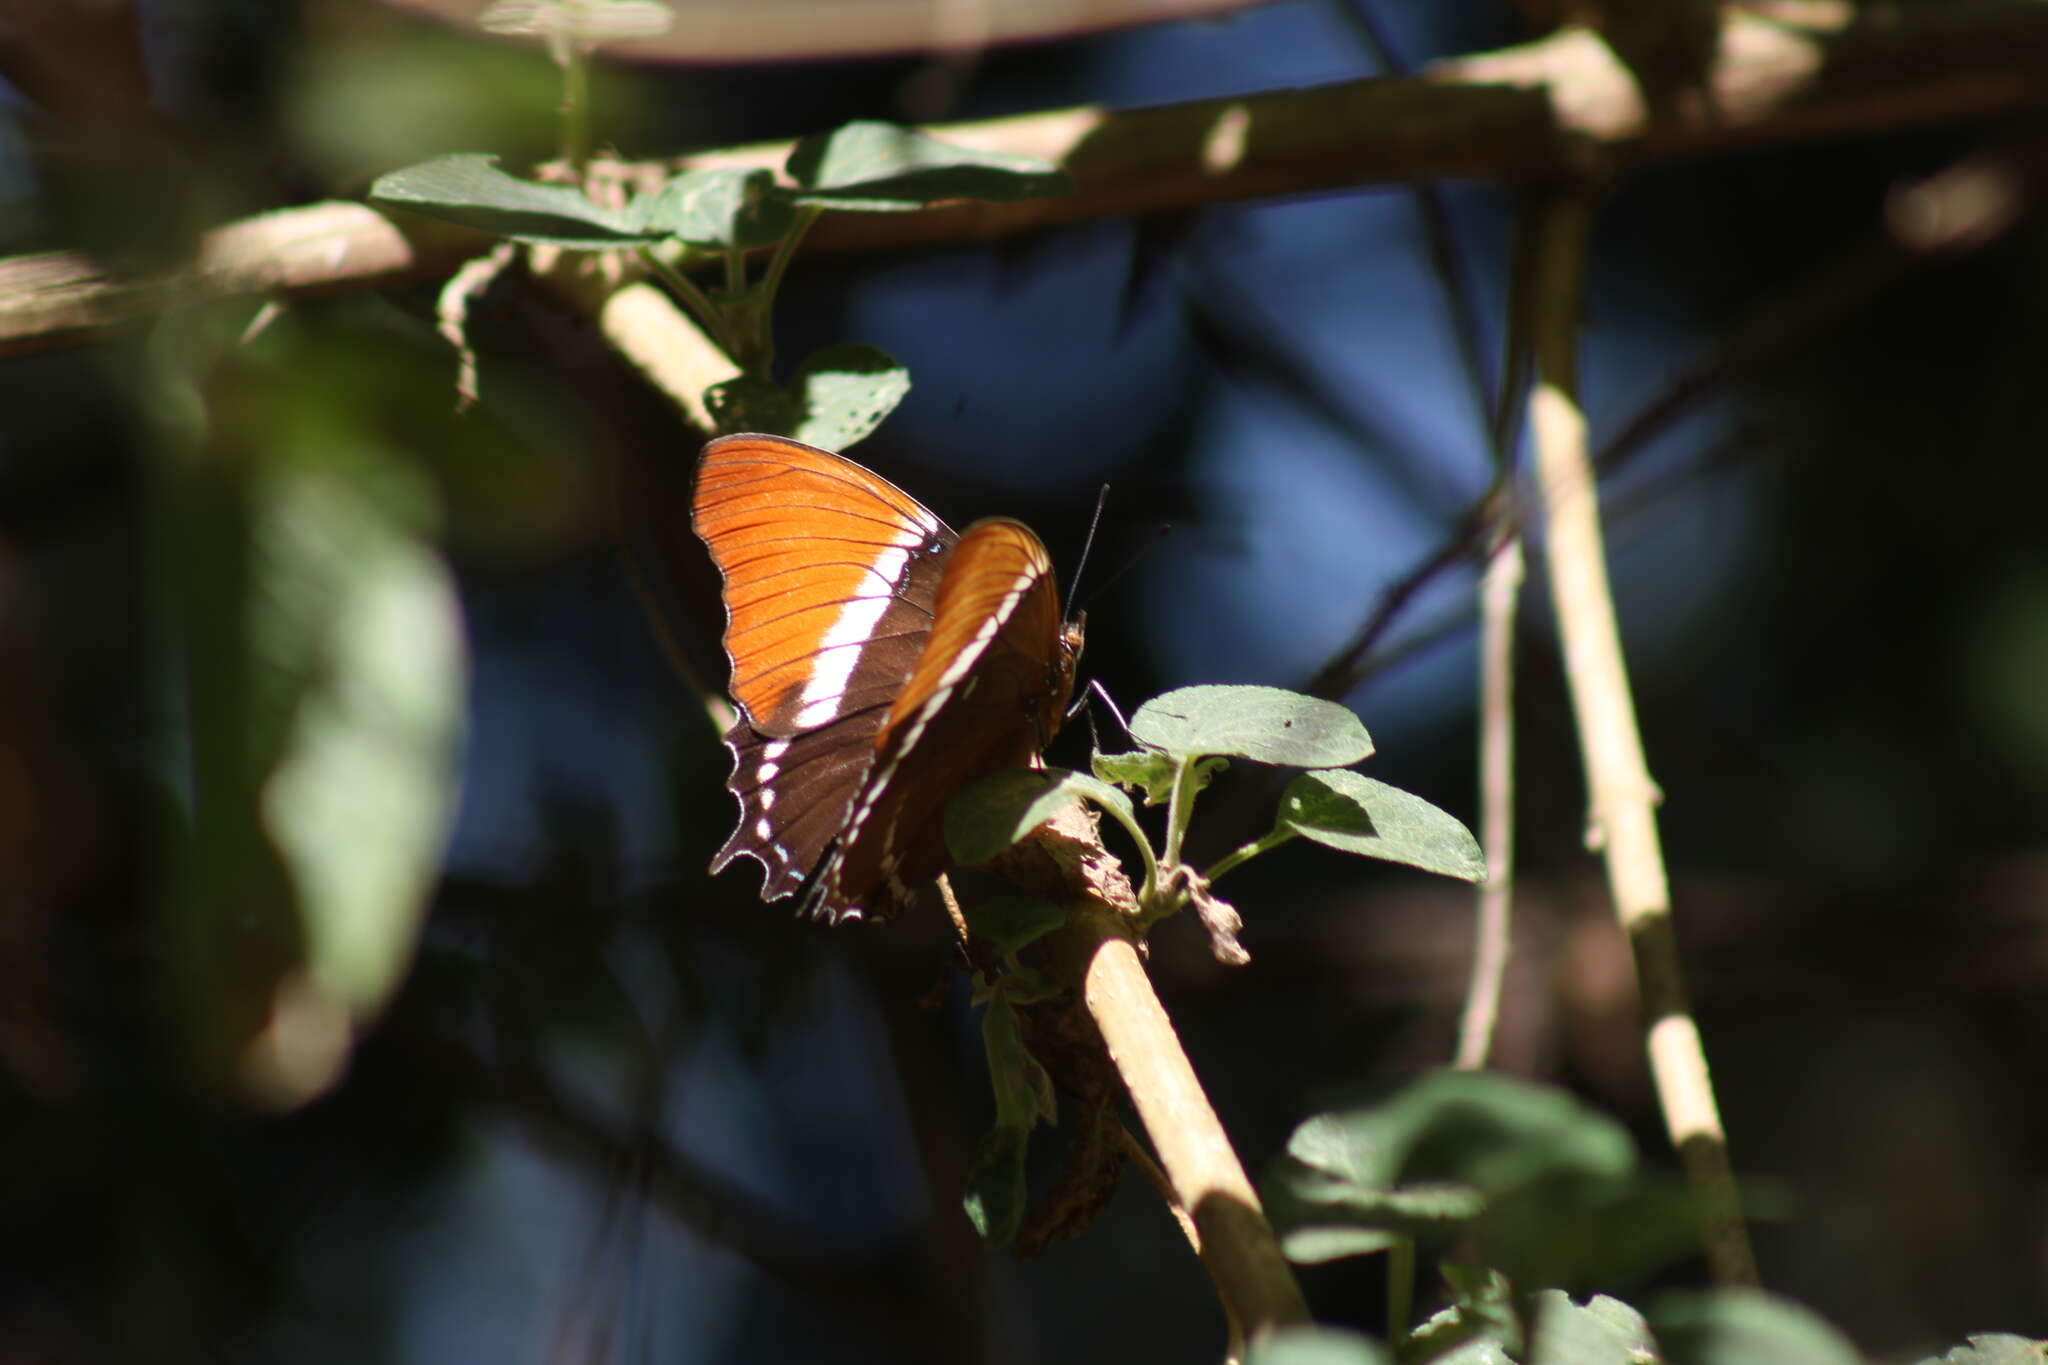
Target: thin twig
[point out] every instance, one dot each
(1500, 590)
(1622, 820)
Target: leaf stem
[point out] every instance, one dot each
(1400, 1292)
(1245, 853)
(771, 280)
(576, 108)
(708, 314)
(1178, 808)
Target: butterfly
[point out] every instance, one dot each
(880, 663)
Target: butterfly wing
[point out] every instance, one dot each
(830, 577)
(989, 690)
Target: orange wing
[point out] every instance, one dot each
(830, 575)
(987, 694)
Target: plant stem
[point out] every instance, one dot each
(1622, 821)
(708, 314)
(576, 109)
(1244, 853)
(1400, 1293)
(1177, 809)
(1064, 861)
(771, 280)
(1237, 1243)
(1499, 590)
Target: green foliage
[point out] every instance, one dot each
(875, 167)
(1317, 1346)
(470, 190)
(718, 208)
(1745, 1327)
(1994, 1349)
(998, 811)
(840, 393)
(1264, 724)
(1349, 811)
(1525, 1178)
(317, 644)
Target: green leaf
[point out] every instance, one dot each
(1745, 1327)
(1310, 1345)
(1352, 812)
(885, 168)
(1264, 724)
(1994, 1349)
(1458, 1336)
(1605, 1331)
(845, 391)
(360, 801)
(750, 403)
(1017, 1099)
(1153, 772)
(995, 1183)
(1483, 1300)
(1009, 923)
(720, 207)
(996, 812)
(1540, 1183)
(472, 191)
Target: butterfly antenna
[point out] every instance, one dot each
(1159, 533)
(1094, 525)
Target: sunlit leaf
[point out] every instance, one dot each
(721, 206)
(1995, 1348)
(845, 391)
(1352, 812)
(883, 167)
(1605, 1331)
(1318, 1346)
(1265, 724)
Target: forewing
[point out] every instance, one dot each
(830, 573)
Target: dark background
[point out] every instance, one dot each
(619, 1110)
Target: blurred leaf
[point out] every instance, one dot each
(470, 190)
(1264, 724)
(1604, 1331)
(1349, 811)
(883, 167)
(996, 812)
(360, 801)
(1993, 1349)
(719, 207)
(1318, 1346)
(750, 403)
(845, 391)
(1010, 923)
(1745, 1327)
(1532, 1181)
(995, 1184)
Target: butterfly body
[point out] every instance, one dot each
(880, 663)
